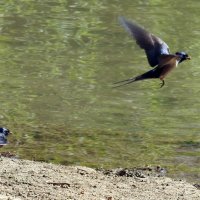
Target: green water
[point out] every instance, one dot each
(58, 60)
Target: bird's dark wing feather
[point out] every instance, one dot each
(153, 46)
(168, 59)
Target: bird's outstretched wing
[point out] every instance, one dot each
(153, 46)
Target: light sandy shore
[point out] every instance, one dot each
(23, 179)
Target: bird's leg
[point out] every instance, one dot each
(162, 84)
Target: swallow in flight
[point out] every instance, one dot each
(157, 52)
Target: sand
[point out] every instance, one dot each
(23, 179)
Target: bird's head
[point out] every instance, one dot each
(4, 132)
(183, 56)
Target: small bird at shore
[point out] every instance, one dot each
(4, 132)
(157, 52)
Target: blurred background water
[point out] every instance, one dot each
(58, 60)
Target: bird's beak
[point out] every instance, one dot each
(188, 58)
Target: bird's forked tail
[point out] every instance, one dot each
(148, 75)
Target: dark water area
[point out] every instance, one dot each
(58, 60)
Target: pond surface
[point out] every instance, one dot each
(58, 60)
